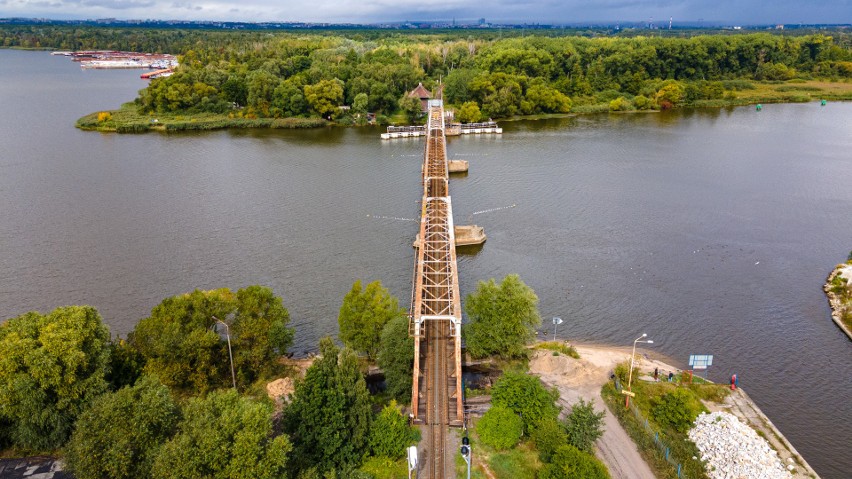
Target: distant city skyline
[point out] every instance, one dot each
(497, 11)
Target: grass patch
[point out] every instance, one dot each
(384, 468)
(810, 90)
(681, 449)
(806, 88)
(592, 108)
(127, 119)
(841, 288)
(519, 462)
(559, 347)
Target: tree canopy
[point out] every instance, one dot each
(279, 73)
(51, 368)
(396, 358)
(568, 462)
(390, 434)
(525, 395)
(329, 417)
(120, 435)
(363, 315)
(501, 318)
(584, 425)
(183, 350)
(500, 427)
(224, 436)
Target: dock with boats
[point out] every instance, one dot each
(163, 63)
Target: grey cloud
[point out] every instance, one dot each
(186, 6)
(367, 11)
(43, 4)
(119, 4)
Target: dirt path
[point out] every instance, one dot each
(583, 378)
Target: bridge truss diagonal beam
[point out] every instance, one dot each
(435, 295)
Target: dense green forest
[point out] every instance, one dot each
(262, 74)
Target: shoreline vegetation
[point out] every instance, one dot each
(838, 289)
(286, 79)
(128, 120)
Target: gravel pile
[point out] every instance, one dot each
(732, 450)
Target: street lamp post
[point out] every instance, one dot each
(230, 353)
(630, 373)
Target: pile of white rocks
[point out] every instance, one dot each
(732, 450)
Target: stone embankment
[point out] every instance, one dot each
(732, 449)
(839, 305)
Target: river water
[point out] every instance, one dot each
(712, 230)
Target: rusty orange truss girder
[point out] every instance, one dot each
(435, 294)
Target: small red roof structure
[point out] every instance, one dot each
(422, 94)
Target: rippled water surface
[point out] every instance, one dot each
(710, 230)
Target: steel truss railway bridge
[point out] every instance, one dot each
(435, 314)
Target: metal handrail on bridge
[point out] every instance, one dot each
(435, 296)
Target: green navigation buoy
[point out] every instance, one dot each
(759, 107)
(823, 103)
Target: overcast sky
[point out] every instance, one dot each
(370, 11)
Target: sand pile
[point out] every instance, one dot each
(280, 390)
(564, 370)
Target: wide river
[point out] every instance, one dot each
(712, 230)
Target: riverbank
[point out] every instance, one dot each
(127, 119)
(585, 377)
(838, 289)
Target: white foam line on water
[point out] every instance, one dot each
(391, 218)
(493, 209)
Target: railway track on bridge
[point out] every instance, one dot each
(436, 308)
(437, 422)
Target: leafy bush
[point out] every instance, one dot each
(620, 104)
(390, 434)
(224, 436)
(51, 369)
(527, 396)
(548, 435)
(119, 436)
(677, 409)
(774, 71)
(671, 93)
(329, 416)
(469, 113)
(500, 428)
(642, 102)
(502, 318)
(584, 425)
(607, 95)
(572, 463)
(622, 371)
(363, 315)
(396, 358)
(182, 349)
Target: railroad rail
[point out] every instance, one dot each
(435, 313)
